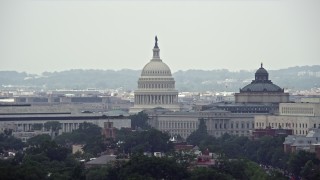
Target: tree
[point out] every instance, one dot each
(88, 134)
(298, 162)
(53, 127)
(8, 142)
(139, 120)
(310, 171)
(242, 169)
(141, 166)
(200, 134)
(208, 174)
(39, 139)
(151, 140)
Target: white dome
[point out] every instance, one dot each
(156, 86)
(156, 68)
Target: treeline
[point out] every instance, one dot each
(47, 159)
(267, 151)
(297, 78)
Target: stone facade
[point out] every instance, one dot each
(218, 122)
(299, 117)
(156, 86)
(23, 126)
(261, 90)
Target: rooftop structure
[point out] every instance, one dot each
(156, 86)
(261, 90)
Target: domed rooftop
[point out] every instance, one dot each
(261, 70)
(261, 83)
(260, 87)
(156, 67)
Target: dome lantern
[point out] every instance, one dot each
(156, 50)
(261, 74)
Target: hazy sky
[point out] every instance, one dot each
(56, 35)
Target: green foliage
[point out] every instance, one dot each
(208, 174)
(46, 160)
(52, 125)
(310, 170)
(302, 162)
(149, 168)
(39, 139)
(50, 149)
(242, 169)
(97, 173)
(139, 121)
(150, 140)
(267, 151)
(8, 142)
(88, 134)
(199, 135)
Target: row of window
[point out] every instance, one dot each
(177, 125)
(296, 110)
(282, 125)
(242, 125)
(158, 72)
(157, 86)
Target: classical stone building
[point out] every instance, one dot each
(28, 121)
(218, 122)
(261, 90)
(23, 125)
(156, 86)
(299, 117)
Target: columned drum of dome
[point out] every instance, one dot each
(156, 86)
(261, 90)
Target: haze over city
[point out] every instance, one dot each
(38, 36)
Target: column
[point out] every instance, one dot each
(143, 102)
(152, 99)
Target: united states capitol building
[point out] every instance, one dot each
(156, 86)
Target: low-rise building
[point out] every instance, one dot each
(310, 142)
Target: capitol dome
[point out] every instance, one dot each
(156, 86)
(156, 68)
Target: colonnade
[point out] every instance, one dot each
(66, 127)
(156, 99)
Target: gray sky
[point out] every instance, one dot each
(48, 35)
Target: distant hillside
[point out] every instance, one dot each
(304, 77)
